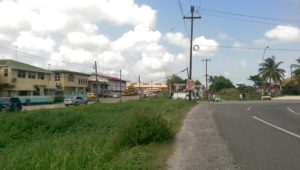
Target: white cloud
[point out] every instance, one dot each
(3, 37)
(73, 55)
(243, 63)
(137, 39)
(177, 39)
(69, 31)
(111, 60)
(261, 42)
(238, 44)
(89, 42)
(284, 33)
(208, 47)
(225, 37)
(13, 17)
(30, 41)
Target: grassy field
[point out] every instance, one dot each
(233, 95)
(86, 137)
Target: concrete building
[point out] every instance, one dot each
(73, 83)
(107, 85)
(20, 79)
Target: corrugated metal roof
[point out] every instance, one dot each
(21, 66)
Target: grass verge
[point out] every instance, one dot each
(87, 137)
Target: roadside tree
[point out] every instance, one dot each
(269, 71)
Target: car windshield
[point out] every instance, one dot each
(3, 99)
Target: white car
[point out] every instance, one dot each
(75, 100)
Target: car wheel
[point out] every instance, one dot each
(76, 104)
(66, 105)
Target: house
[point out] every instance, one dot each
(73, 83)
(107, 85)
(20, 79)
(98, 85)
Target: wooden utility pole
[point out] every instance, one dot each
(120, 85)
(140, 87)
(206, 75)
(191, 44)
(97, 84)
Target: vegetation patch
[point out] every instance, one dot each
(125, 135)
(144, 129)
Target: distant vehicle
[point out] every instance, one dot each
(91, 96)
(115, 95)
(75, 100)
(10, 104)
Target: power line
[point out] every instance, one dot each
(250, 16)
(181, 11)
(239, 19)
(249, 48)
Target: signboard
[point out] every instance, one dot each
(190, 84)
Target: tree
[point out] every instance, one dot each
(269, 71)
(297, 74)
(219, 82)
(174, 79)
(197, 82)
(256, 80)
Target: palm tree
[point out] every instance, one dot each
(269, 70)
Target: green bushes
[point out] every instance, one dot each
(144, 129)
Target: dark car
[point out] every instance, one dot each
(10, 104)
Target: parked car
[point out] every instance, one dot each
(10, 104)
(75, 100)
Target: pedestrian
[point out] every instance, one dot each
(241, 97)
(214, 98)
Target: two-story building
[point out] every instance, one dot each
(106, 85)
(73, 83)
(20, 79)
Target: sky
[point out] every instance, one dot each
(150, 38)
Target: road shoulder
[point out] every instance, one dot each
(199, 145)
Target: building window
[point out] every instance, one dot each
(6, 72)
(145, 83)
(57, 76)
(41, 76)
(82, 81)
(31, 75)
(71, 78)
(21, 73)
(159, 84)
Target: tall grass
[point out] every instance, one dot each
(85, 137)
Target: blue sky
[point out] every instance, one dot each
(238, 29)
(136, 36)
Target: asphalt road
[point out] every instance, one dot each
(261, 135)
(59, 105)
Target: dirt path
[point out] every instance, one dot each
(199, 145)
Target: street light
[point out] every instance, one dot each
(263, 57)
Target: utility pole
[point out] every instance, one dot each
(120, 85)
(191, 44)
(96, 74)
(206, 75)
(140, 87)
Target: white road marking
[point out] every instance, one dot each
(248, 109)
(277, 127)
(293, 111)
